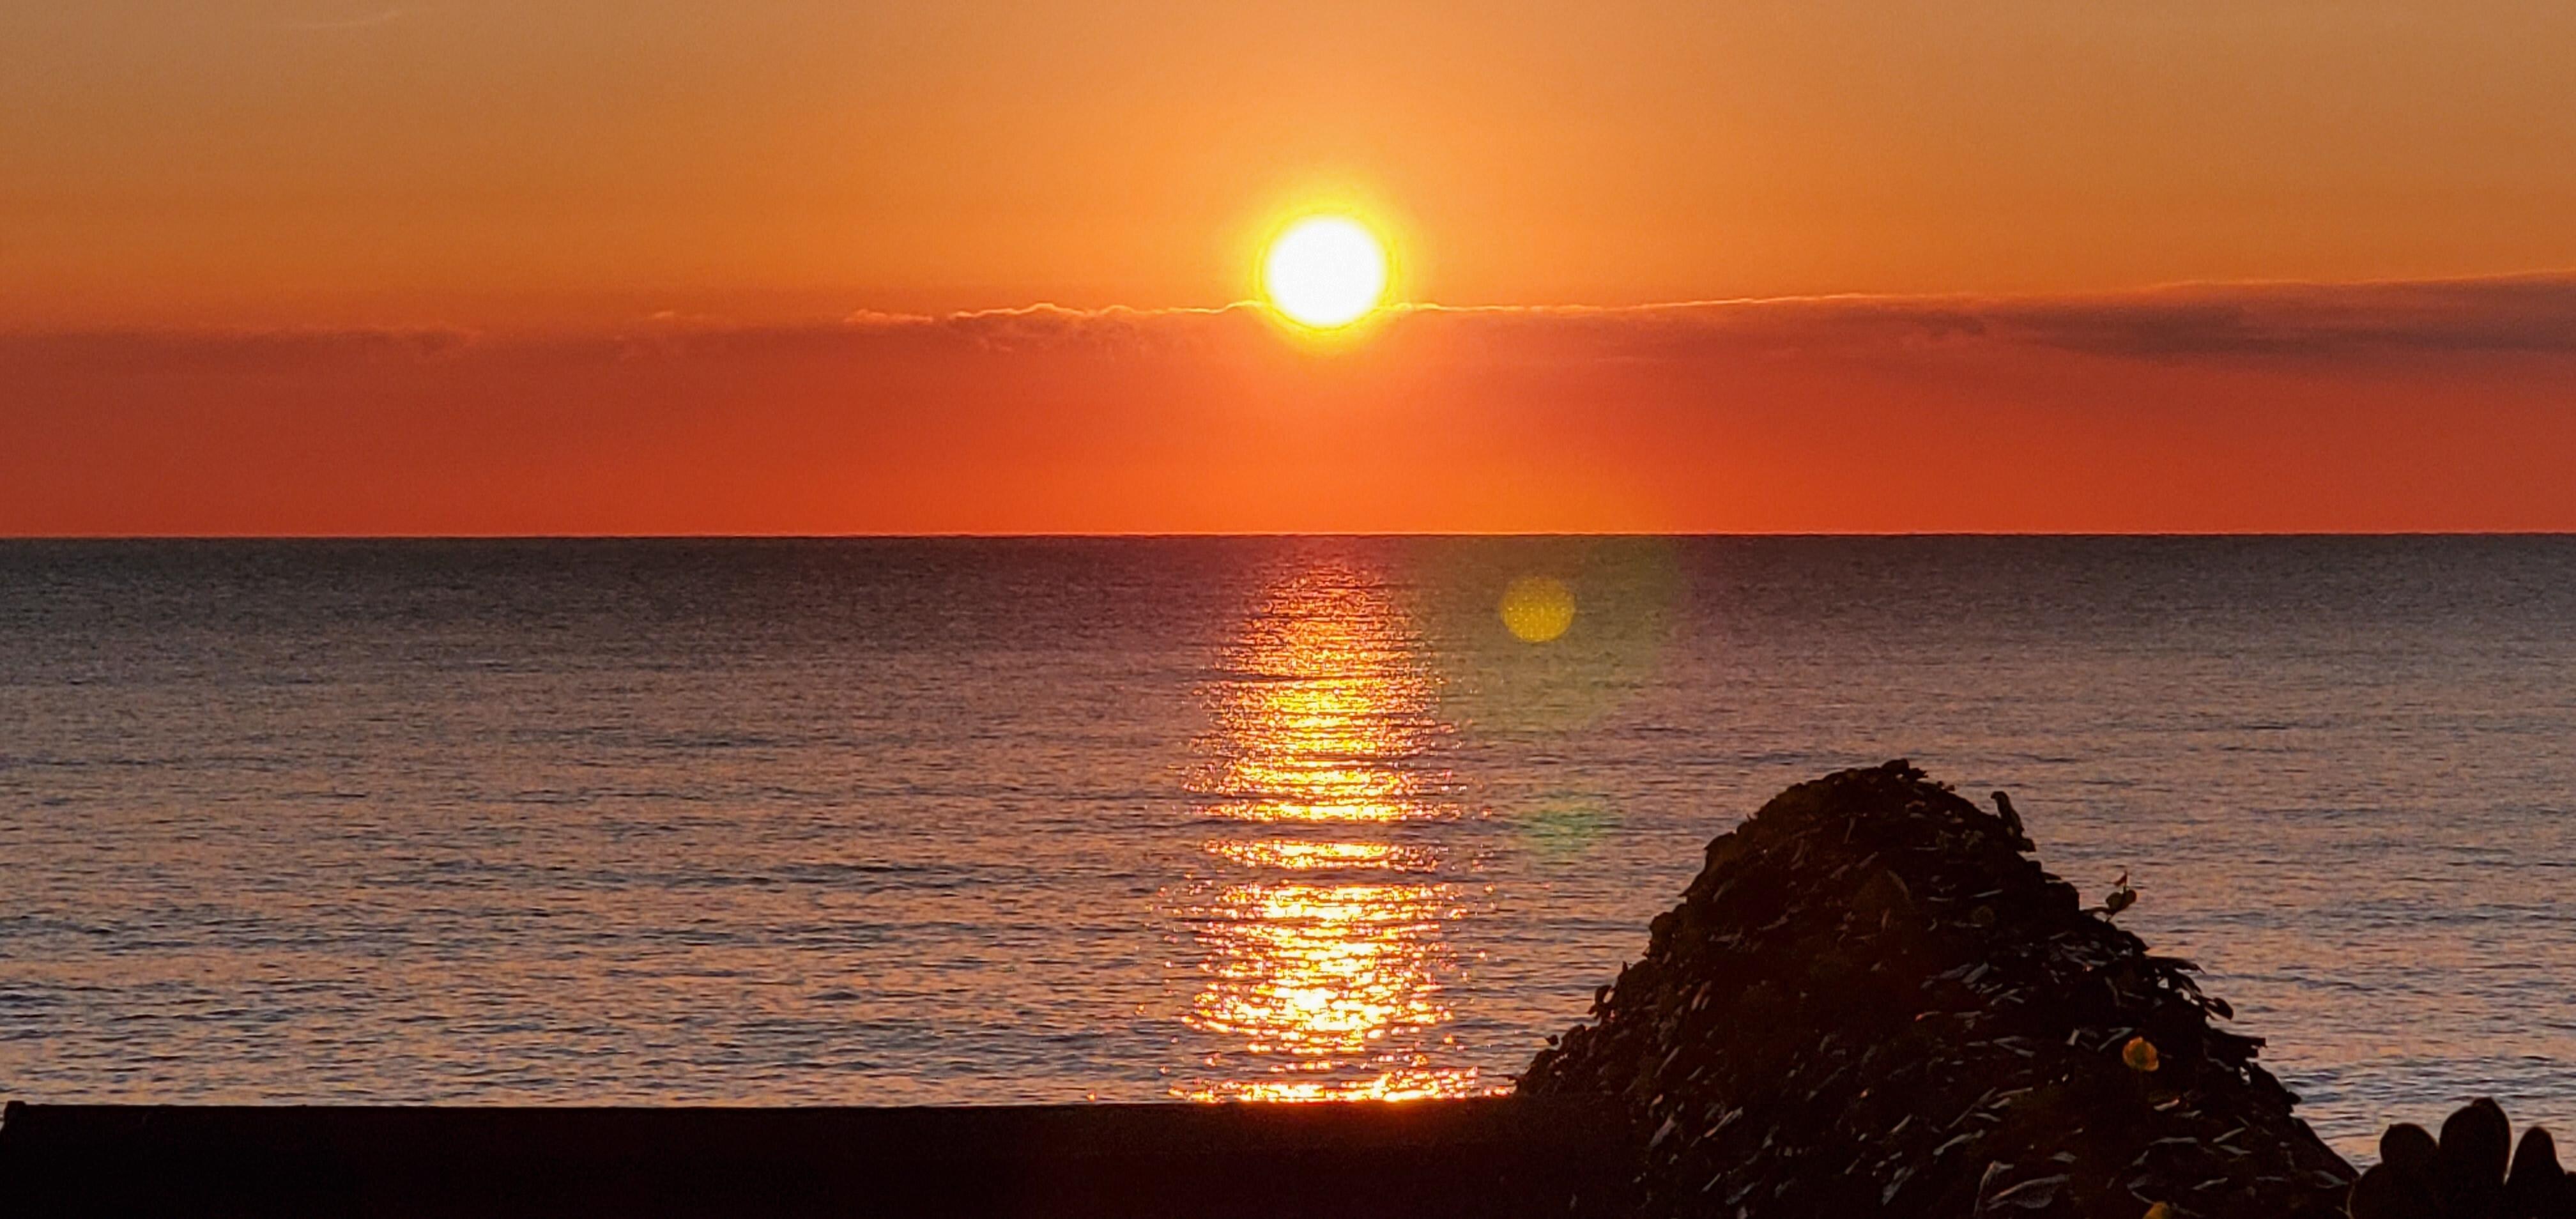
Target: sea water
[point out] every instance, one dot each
(981, 821)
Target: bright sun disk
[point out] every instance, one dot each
(1324, 272)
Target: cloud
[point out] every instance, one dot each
(2234, 322)
(2522, 314)
(2223, 324)
(2533, 314)
(210, 350)
(1116, 328)
(2284, 406)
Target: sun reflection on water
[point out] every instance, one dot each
(1300, 856)
(1323, 951)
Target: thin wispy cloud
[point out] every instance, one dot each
(2273, 407)
(2222, 323)
(2528, 314)
(2532, 313)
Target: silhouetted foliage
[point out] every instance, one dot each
(1872, 1002)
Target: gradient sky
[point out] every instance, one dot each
(362, 267)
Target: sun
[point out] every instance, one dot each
(1324, 272)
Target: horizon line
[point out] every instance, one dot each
(1248, 535)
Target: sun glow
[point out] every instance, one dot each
(1325, 272)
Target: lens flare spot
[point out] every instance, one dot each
(1564, 830)
(1537, 609)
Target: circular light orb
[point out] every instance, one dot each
(1324, 272)
(1537, 608)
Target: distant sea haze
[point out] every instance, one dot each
(879, 822)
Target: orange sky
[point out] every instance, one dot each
(232, 236)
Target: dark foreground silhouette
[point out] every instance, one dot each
(1873, 1002)
(2464, 1174)
(1496, 1157)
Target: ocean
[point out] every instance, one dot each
(983, 821)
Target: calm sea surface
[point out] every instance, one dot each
(884, 822)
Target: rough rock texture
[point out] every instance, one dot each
(1872, 1001)
(2463, 1174)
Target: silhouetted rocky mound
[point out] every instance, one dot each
(1873, 1002)
(2463, 1174)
